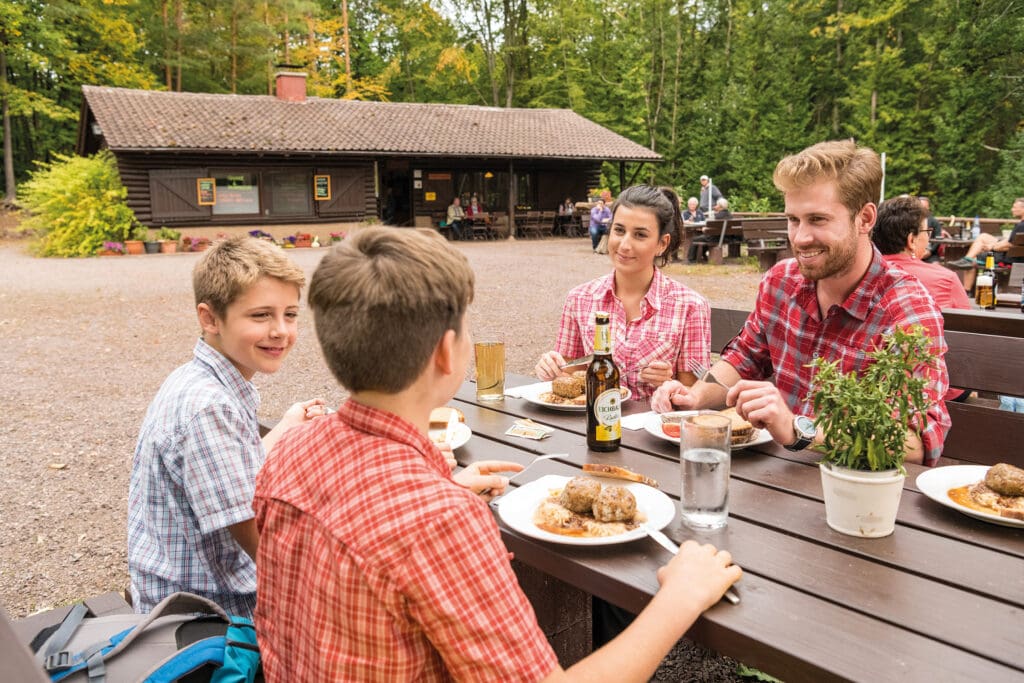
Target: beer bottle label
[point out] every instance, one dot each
(608, 411)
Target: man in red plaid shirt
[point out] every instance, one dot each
(374, 562)
(835, 300)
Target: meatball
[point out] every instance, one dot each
(1005, 480)
(615, 504)
(579, 494)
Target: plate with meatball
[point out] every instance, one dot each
(992, 494)
(568, 393)
(585, 510)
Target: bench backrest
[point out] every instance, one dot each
(990, 358)
(765, 229)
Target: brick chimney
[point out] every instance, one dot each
(291, 86)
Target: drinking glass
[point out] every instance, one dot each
(490, 370)
(704, 456)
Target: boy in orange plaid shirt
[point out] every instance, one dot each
(375, 563)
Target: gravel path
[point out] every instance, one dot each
(89, 341)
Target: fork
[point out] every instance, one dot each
(531, 463)
(704, 375)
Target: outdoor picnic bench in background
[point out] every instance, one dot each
(986, 354)
(767, 239)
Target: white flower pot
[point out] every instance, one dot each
(861, 503)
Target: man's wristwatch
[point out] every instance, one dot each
(805, 433)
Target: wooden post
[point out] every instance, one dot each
(622, 176)
(512, 194)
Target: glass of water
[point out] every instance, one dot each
(704, 457)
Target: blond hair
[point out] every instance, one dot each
(857, 171)
(228, 268)
(382, 300)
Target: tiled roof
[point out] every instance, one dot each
(155, 120)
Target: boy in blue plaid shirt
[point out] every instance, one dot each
(190, 518)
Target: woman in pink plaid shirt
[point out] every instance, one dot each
(661, 328)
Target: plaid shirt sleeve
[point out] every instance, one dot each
(219, 469)
(695, 346)
(569, 341)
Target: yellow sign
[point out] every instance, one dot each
(430, 196)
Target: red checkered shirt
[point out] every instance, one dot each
(785, 332)
(674, 326)
(374, 565)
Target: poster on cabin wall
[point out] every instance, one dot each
(206, 191)
(322, 188)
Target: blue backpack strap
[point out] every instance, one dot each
(185, 661)
(241, 653)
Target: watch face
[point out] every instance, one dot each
(805, 426)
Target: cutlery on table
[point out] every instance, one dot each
(535, 460)
(582, 360)
(449, 431)
(665, 542)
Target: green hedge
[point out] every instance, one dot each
(76, 204)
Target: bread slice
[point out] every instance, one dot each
(742, 431)
(439, 416)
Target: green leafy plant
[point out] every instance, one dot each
(866, 418)
(140, 232)
(168, 235)
(76, 204)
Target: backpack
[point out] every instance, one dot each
(185, 638)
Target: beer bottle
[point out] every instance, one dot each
(604, 402)
(985, 285)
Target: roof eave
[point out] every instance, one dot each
(371, 152)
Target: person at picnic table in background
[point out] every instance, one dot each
(693, 213)
(600, 217)
(709, 193)
(834, 300)
(661, 329)
(190, 519)
(901, 233)
(566, 213)
(700, 244)
(722, 211)
(474, 209)
(935, 229)
(375, 564)
(985, 242)
(456, 216)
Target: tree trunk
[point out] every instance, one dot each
(344, 35)
(10, 187)
(168, 77)
(179, 27)
(234, 48)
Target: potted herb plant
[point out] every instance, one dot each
(135, 244)
(150, 243)
(111, 249)
(168, 240)
(865, 419)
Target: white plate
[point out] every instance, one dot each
(653, 426)
(532, 394)
(936, 483)
(459, 438)
(517, 507)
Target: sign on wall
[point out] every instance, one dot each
(206, 191)
(322, 188)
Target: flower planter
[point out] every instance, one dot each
(168, 247)
(109, 252)
(859, 503)
(151, 247)
(303, 242)
(134, 247)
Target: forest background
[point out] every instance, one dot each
(722, 87)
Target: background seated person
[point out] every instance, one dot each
(901, 233)
(700, 243)
(456, 218)
(693, 213)
(474, 209)
(935, 229)
(986, 242)
(600, 217)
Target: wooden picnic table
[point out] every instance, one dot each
(940, 599)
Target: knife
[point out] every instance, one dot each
(582, 360)
(665, 542)
(449, 431)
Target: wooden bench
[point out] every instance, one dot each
(768, 239)
(986, 354)
(730, 235)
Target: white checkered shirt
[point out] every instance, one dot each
(193, 476)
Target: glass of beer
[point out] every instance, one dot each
(490, 370)
(704, 452)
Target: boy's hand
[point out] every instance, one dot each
(304, 410)
(699, 575)
(656, 372)
(481, 478)
(672, 395)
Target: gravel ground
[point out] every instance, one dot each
(89, 341)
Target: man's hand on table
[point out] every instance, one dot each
(761, 404)
(481, 477)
